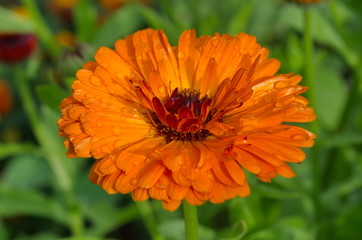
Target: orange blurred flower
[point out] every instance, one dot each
(20, 11)
(6, 97)
(184, 122)
(112, 4)
(66, 38)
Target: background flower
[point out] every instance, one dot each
(16, 47)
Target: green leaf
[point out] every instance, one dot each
(10, 149)
(239, 230)
(106, 217)
(51, 95)
(291, 16)
(331, 92)
(17, 201)
(175, 230)
(156, 21)
(342, 139)
(275, 193)
(40, 236)
(85, 238)
(326, 33)
(294, 52)
(248, 210)
(239, 20)
(85, 19)
(3, 231)
(12, 22)
(27, 171)
(64, 168)
(124, 21)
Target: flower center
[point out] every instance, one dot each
(182, 116)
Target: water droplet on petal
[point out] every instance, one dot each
(180, 55)
(88, 95)
(104, 102)
(106, 149)
(281, 84)
(134, 181)
(119, 74)
(279, 105)
(116, 131)
(214, 41)
(118, 143)
(105, 65)
(146, 48)
(268, 99)
(95, 81)
(300, 137)
(161, 88)
(124, 110)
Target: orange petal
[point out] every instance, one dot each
(150, 174)
(171, 205)
(235, 171)
(176, 191)
(140, 194)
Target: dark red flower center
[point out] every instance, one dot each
(182, 116)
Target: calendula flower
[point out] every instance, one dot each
(6, 97)
(185, 122)
(15, 47)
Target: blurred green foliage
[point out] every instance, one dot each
(44, 195)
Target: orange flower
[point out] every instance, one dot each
(66, 38)
(112, 4)
(184, 122)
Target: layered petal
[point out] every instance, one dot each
(185, 122)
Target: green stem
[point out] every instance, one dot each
(310, 82)
(191, 224)
(43, 31)
(48, 145)
(308, 51)
(146, 213)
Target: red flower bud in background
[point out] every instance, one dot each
(15, 47)
(6, 102)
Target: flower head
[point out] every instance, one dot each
(15, 47)
(185, 122)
